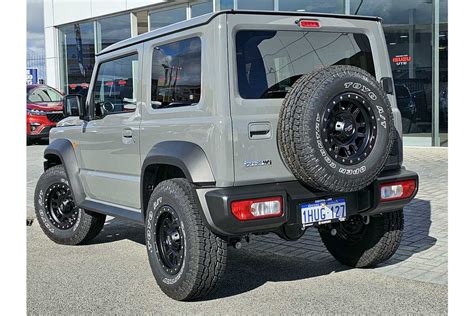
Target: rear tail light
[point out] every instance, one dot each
(397, 190)
(309, 24)
(245, 210)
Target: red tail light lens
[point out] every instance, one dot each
(397, 190)
(309, 24)
(245, 210)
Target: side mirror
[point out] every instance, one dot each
(73, 105)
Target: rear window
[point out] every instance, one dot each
(269, 62)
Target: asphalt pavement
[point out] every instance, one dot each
(112, 275)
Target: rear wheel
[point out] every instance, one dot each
(358, 243)
(57, 213)
(186, 258)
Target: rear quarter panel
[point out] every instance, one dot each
(207, 124)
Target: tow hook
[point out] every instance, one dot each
(237, 243)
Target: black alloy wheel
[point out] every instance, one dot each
(60, 207)
(170, 240)
(350, 128)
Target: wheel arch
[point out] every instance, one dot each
(61, 152)
(173, 159)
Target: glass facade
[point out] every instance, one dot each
(166, 17)
(325, 6)
(256, 5)
(77, 56)
(112, 30)
(408, 26)
(201, 8)
(417, 46)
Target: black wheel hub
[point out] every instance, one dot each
(60, 207)
(349, 128)
(169, 240)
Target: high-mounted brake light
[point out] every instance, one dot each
(245, 210)
(309, 24)
(397, 190)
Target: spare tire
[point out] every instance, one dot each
(335, 129)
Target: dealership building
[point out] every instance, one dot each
(416, 33)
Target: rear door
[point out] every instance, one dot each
(267, 54)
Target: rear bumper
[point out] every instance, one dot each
(216, 203)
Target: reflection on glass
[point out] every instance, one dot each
(77, 56)
(176, 74)
(226, 4)
(334, 6)
(142, 22)
(163, 18)
(256, 5)
(269, 62)
(201, 8)
(112, 30)
(114, 89)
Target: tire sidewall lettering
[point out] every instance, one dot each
(150, 224)
(372, 96)
(42, 212)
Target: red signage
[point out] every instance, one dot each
(401, 59)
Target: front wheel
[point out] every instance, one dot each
(186, 258)
(57, 213)
(358, 243)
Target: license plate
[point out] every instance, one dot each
(323, 211)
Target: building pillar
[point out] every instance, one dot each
(347, 7)
(435, 140)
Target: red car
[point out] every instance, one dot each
(44, 108)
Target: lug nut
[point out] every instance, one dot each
(238, 245)
(333, 232)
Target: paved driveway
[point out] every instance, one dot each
(112, 275)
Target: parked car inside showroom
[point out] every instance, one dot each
(44, 109)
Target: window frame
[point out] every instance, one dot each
(90, 96)
(150, 75)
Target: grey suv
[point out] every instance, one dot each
(231, 124)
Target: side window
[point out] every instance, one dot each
(115, 88)
(176, 74)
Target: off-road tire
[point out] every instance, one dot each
(378, 243)
(301, 126)
(205, 253)
(87, 225)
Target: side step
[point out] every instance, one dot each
(112, 210)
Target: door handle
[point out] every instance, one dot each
(127, 133)
(260, 130)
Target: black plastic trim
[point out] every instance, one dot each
(111, 210)
(63, 149)
(365, 202)
(189, 157)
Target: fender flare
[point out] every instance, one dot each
(63, 149)
(187, 156)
